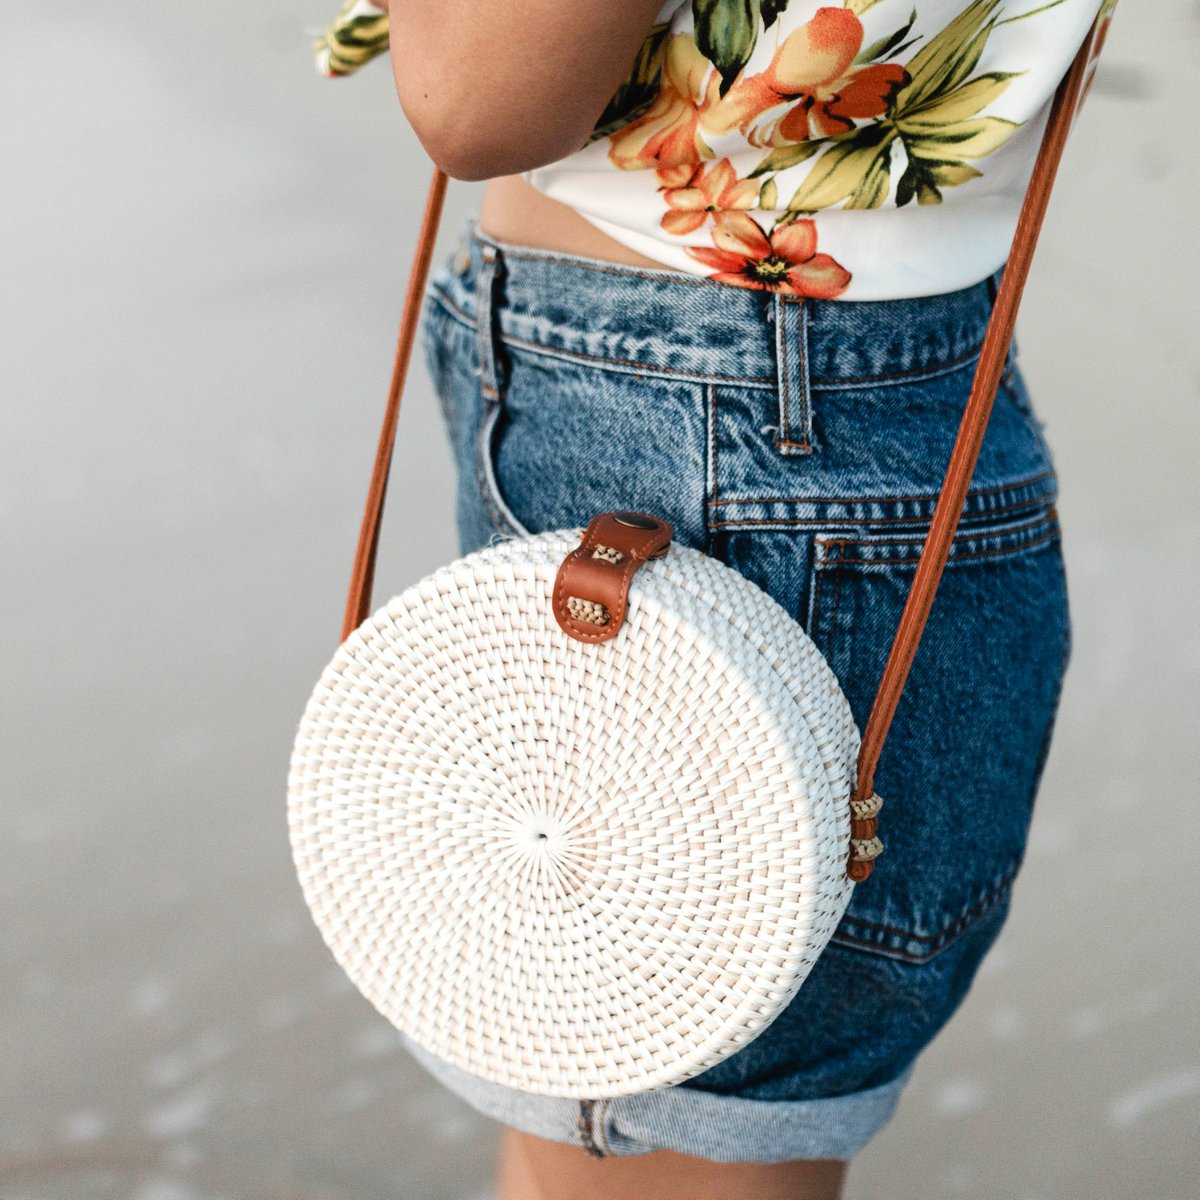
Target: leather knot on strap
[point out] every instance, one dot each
(865, 846)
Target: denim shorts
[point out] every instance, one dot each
(802, 442)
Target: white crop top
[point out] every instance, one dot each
(870, 151)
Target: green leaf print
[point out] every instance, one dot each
(948, 57)
(924, 179)
(943, 131)
(963, 101)
(851, 170)
(884, 46)
(726, 31)
(783, 157)
(771, 9)
(961, 139)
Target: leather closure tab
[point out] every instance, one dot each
(591, 590)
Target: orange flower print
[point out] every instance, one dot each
(784, 261)
(694, 193)
(811, 88)
(667, 135)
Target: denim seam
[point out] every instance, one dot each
(492, 382)
(1015, 486)
(978, 520)
(814, 603)
(437, 295)
(821, 383)
(961, 925)
(781, 341)
(1011, 543)
(585, 1126)
(838, 383)
(963, 556)
(484, 326)
(805, 378)
(983, 904)
(822, 522)
(627, 366)
(621, 271)
(711, 408)
(483, 352)
(482, 447)
(832, 624)
(599, 1128)
(989, 532)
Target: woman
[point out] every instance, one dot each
(733, 266)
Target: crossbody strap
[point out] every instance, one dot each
(864, 804)
(936, 548)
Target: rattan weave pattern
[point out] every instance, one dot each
(574, 869)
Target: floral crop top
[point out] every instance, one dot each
(866, 151)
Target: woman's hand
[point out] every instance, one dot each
(494, 87)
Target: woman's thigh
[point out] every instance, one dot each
(804, 445)
(531, 1168)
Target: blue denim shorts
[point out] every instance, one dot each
(802, 442)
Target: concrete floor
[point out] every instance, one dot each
(203, 254)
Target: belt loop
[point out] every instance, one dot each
(486, 334)
(790, 315)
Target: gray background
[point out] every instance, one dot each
(204, 250)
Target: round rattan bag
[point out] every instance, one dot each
(582, 870)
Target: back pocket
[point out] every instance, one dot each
(965, 751)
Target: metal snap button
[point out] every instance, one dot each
(635, 520)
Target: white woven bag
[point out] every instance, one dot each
(591, 865)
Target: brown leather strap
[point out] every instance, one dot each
(358, 604)
(934, 552)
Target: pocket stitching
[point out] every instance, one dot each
(995, 539)
(955, 929)
(974, 556)
(982, 508)
(449, 308)
(1012, 485)
(486, 482)
(838, 575)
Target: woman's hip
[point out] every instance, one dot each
(803, 443)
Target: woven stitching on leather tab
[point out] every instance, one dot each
(587, 610)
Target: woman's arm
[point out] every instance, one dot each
(493, 87)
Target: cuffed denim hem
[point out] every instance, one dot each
(687, 1120)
